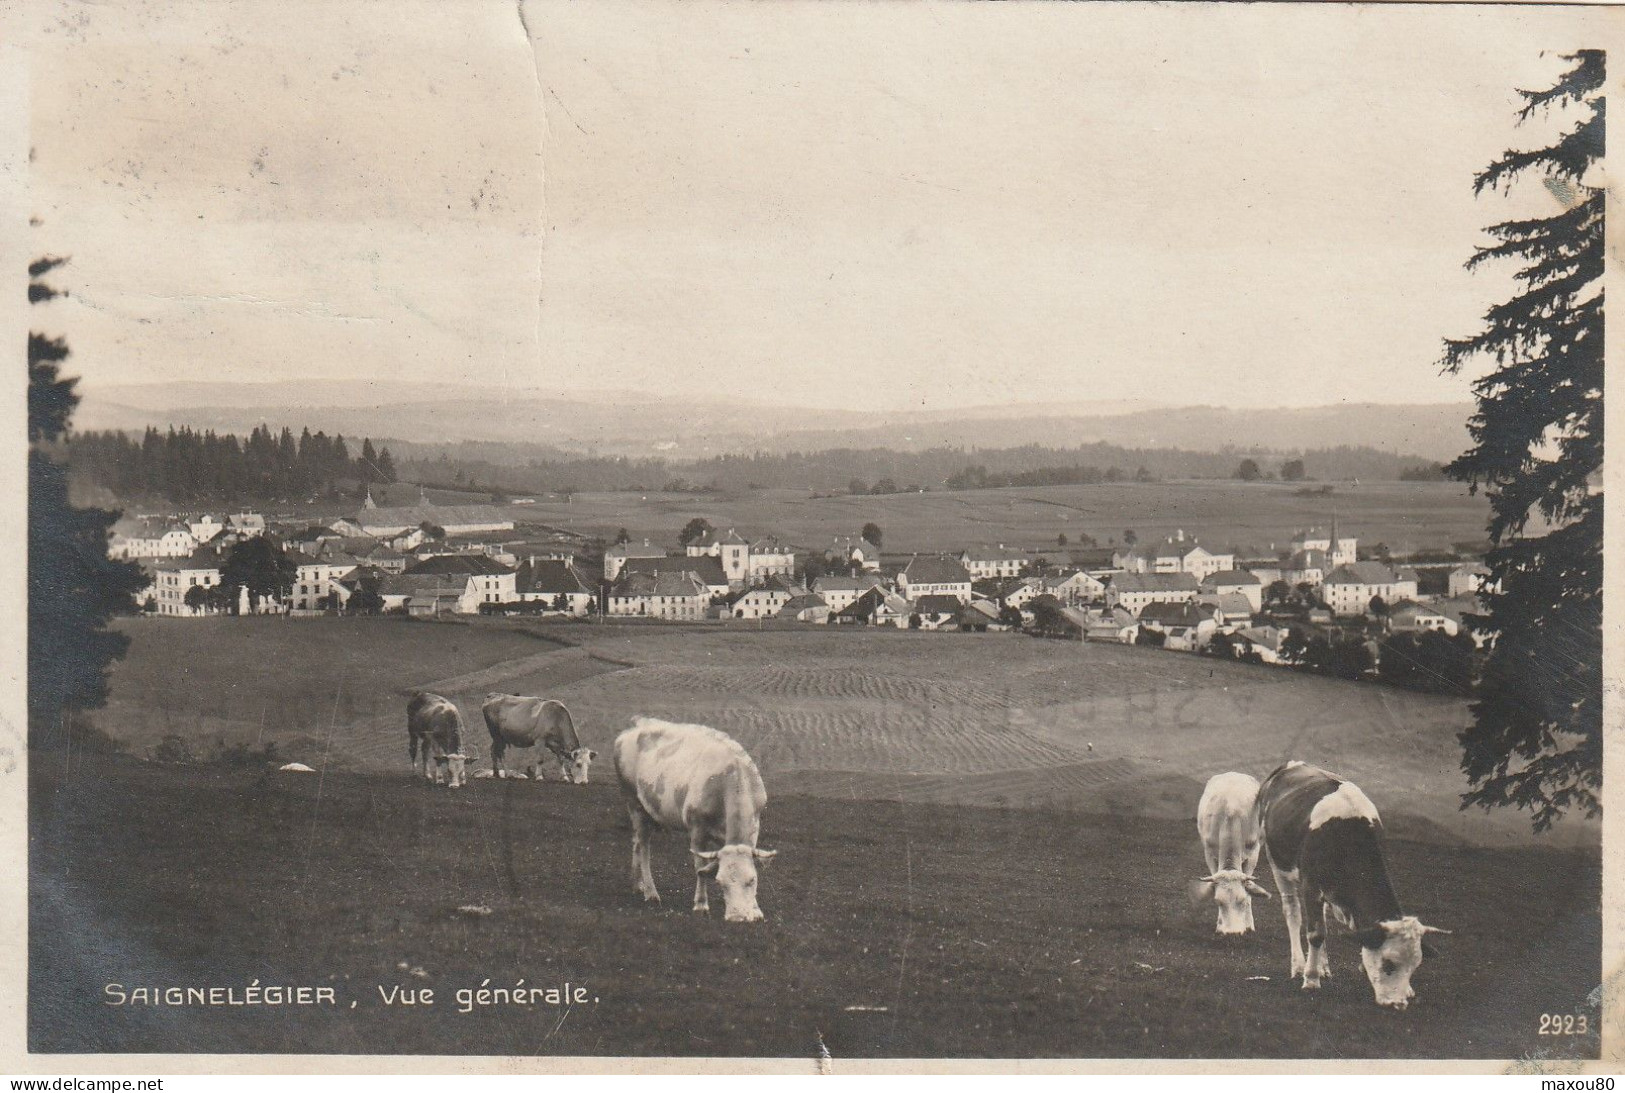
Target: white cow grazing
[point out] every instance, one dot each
(699, 780)
(1229, 832)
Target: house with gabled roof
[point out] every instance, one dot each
(764, 601)
(853, 550)
(1349, 589)
(386, 522)
(770, 558)
(674, 596)
(1113, 624)
(1074, 587)
(707, 569)
(981, 616)
(487, 580)
(1236, 582)
(808, 607)
(616, 557)
(932, 575)
(138, 537)
(175, 577)
(731, 549)
(935, 611)
(1136, 591)
(990, 561)
(1174, 554)
(876, 607)
(840, 592)
(317, 581)
(557, 584)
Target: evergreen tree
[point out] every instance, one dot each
(74, 589)
(1536, 738)
(260, 565)
(386, 466)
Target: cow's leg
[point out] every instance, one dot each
(1314, 910)
(642, 877)
(702, 901)
(498, 747)
(1327, 915)
(1291, 910)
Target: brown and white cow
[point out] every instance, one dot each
(1229, 833)
(517, 721)
(434, 733)
(1324, 841)
(695, 779)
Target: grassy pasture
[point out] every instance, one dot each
(985, 842)
(892, 930)
(1000, 720)
(1405, 515)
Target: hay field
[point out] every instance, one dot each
(1407, 516)
(991, 719)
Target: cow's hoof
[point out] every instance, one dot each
(651, 897)
(1311, 984)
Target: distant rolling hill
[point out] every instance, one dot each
(616, 423)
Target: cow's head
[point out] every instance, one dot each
(734, 867)
(1391, 952)
(576, 764)
(456, 767)
(1233, 891)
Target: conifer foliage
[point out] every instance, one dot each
(73, 587)
(1536, 737)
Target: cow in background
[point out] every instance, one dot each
(518, 721)
(1229, 833)
(1324, 841)
(695, 779)
(434, 732)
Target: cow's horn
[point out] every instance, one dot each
(708, 855)
(1255, 888)
(763, 855)
(1426, 929)
(1209, 879)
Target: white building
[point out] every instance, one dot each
(1350, 588)
(1237, 582)
(934, 576)
(1470, 580)
(1315, 538)
(175, 578)
(984, 562)
(139, 538)
(1136, 591)
(841, 592)
(616, 557)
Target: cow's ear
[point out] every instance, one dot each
(591, 754)
(1371, 938)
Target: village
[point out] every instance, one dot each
(428, 560)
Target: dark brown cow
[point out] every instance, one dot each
(434, 733)
(517, 721)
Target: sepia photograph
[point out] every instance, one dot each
(812, 536)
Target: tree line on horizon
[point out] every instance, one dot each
(191, 467)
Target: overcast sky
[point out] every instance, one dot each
(883, 205)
